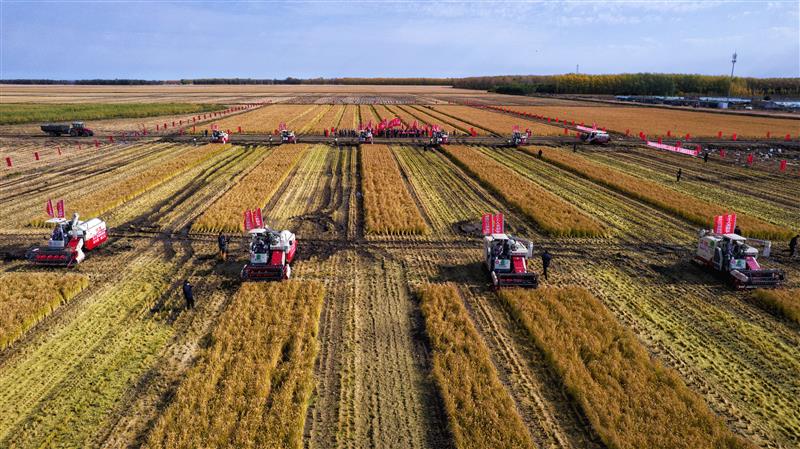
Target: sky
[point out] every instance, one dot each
(275, 39)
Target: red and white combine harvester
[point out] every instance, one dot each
(69, 239)
(287, 136)
(505, 256)
(218, 136)
(365, 136)
(518, 137)
(729, 255)
(439, 136)
(271, 252)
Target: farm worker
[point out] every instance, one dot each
(737, 230)
(705, 157)
(540, 154)
(546, 258)
(188, 295)
(793, 246)
(574, 147)
(222, 241)
(679, 174)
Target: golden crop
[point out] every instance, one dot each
(696, 210)
(267, 119)
(551, 213)
(349, 118)
(252, 386)
(447, 123)
(328, 119)
(783, 302)
(26, 298)
(388, 206)
(499, 123)
(657, 121)
(480, 410)
(631, 400)
(253, 190)
(132, 185)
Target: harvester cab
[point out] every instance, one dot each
(506, 259)
(271, 255)
(365, 136)
(218, 136)
(731, 256)
(288, 136)
(595, 137)
(68, 241)
(518, 138)
(440, 138)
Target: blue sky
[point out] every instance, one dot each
(271, 39)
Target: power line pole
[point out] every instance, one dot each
(733, 64)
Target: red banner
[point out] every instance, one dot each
(258, 221)
(783, 165)
(486, 224)
(498, 225)
(750, 159)
(724, 224)
(49, 209)
(60, 208)
(248, 220)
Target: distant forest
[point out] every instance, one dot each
(620, 84)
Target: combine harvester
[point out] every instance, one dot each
(506, 257)
(518, 137)
(728, 255)
(271, 252)
(69, 239)
(287, 135)
(218, 136)
(365, 136)
(439, 136)
(595, 137)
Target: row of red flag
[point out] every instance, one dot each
(253, 219)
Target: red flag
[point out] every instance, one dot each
(486, 224)
(783, 165)
(49, 208)
(36, 155)
(258, 221)
(750, 159)
(248, 220)
(8, 162)
(60, 208)
(498, 225)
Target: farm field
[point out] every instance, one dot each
(656, 122)
(389, 333)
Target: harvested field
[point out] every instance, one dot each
(497, 123)
(552, 214)
(631, 401)
(408, 346)
(658, 121)
(694, 209)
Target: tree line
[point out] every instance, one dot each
(617, 84)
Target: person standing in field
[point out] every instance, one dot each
(546, 258)
(222, 242)
(705, 157)
(793, 246)
(188, 295)
(678, 175)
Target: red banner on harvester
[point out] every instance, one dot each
(258, 220)
(248, 220)
(724, 224)
(492, 224)
(486, 224)
(60, 208)
(49, 209)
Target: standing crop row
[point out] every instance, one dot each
(267, 119)
(697, 211)
(388, 206)
(252, 386)
(782, 302)
(631, 400)
(26, 298)
(480, 411)
(253, 190)
(554, 215)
